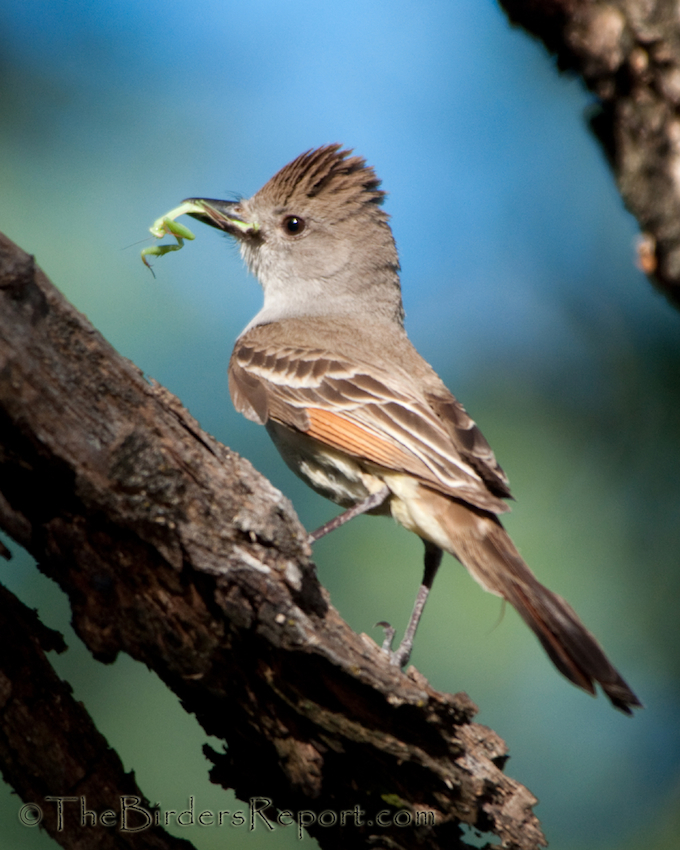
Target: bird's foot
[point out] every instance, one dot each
(399, 656)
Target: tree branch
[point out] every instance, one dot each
(628, 54)
(175, 550)
(49, 747)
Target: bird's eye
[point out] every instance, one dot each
(293, 224)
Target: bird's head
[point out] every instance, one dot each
(315, 233)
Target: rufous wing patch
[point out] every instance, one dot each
(347, 436)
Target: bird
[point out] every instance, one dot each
(355, 411)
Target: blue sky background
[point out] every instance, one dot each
(520, 287)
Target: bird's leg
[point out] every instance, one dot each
(367, 504)
(400, 657)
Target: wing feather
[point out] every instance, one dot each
(345, 435)
(357, 409)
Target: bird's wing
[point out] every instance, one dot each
(358, 409)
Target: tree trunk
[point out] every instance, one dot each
(628, 54)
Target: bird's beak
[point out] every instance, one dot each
(224, 215)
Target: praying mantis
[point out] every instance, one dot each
(167, 226)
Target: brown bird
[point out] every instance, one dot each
(356, 412)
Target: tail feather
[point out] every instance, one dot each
(481, 543)
(572, 648)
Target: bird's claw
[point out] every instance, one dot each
(390, 632)
(400, 656)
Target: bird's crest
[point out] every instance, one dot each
(325, 172)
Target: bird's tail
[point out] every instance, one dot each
(482, 545)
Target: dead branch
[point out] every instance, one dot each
(49, 748)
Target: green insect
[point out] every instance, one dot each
(167, 226)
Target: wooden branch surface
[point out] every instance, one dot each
(48, 742)
(628, 53)
(175, 550)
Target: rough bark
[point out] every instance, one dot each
(49, 748)
(628, 53)
(175, 550)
